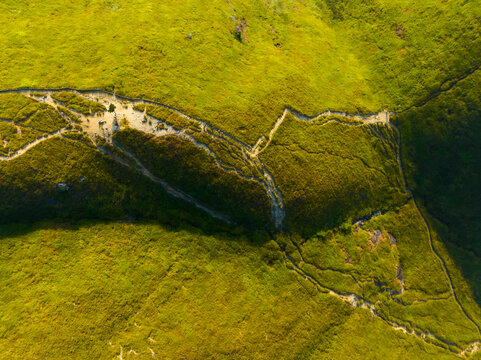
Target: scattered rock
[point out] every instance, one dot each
(240, 31)
(115, 125)
(190, 36)
(82, 179)
(62, 187)
(400, 32)
(399, 274)
(347, 257)
(376, 237)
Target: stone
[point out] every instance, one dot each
(62, 187)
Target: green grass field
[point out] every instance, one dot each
(117, 268)
(310, 55)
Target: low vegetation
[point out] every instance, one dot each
(47, 120)
(442, 156)
(355, 56)
(191, 169)
(13, 138)
(99, 188)
(189, 286)
(169, 117)
(329, 173)
(13, 105)
(98, 290)
(79, 103)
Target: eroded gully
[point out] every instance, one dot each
(105, 124)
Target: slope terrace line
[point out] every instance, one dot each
(168, 188)
(382, 117)
(267, 180)
(363, 119)
(135, 119)
(428, 229)
(358, 302)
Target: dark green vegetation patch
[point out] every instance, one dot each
(192, 169)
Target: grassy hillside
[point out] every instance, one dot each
(442, 158)
(442, 153)
(187, 167)
(96, 290)
(332, 172)
(356, 267)
(98, 188)
(237, 64)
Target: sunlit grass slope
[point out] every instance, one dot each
(236, 64)
(94, 290)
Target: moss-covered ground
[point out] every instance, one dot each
(187, 167)
(331, 172)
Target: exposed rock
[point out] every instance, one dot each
(62, 187)
(376, 237)
(115, 125)
(241, 31)
(400, 32)
(399, 274)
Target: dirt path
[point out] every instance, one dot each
(169, 189)
(106, 124)
(379, 118)
(34, 143)
(357, 301)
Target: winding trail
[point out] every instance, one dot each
(31, 145)
(105, 124)
(357, 119)
(169, 189)
(357, 301)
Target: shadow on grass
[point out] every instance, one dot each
(442, 161)
(99, 189)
